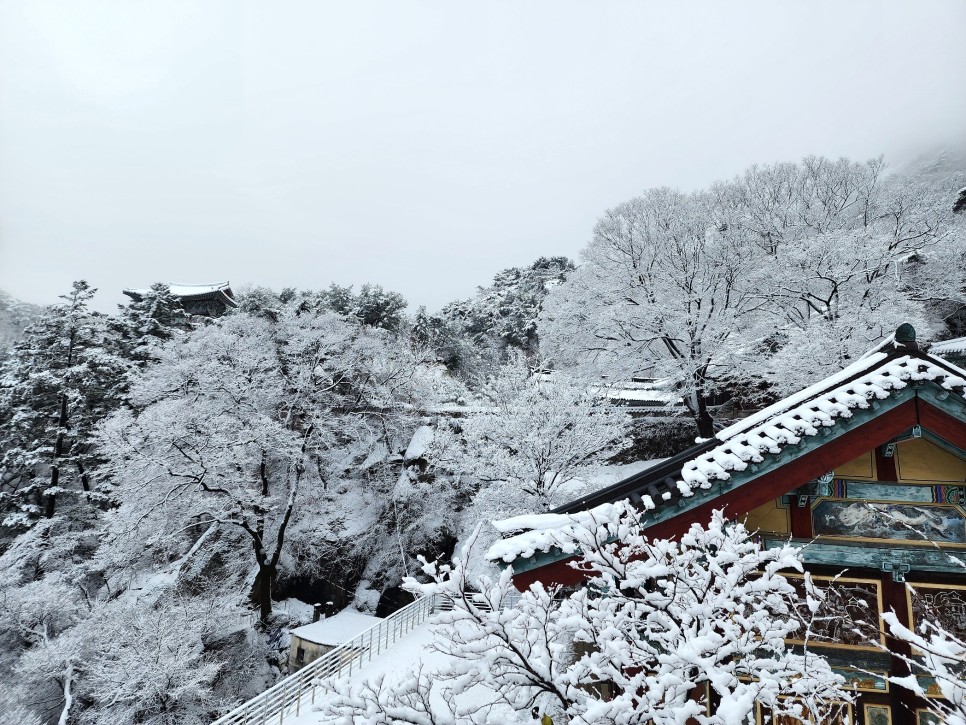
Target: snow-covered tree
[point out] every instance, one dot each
(373, 305)
(506, 311)
(257, 428)
(55, 387)
(539, 431)
(131, 661)
(144, 323)
(768, 282)
(662, 630)
(452, 346)
(941, 658)
(855, 253)
(14, 711)
(664, 287)
(937, 654)
(15, 317)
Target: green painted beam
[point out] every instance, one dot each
(864, 555)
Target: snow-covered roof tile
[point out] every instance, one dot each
(956, 346)
(189, 290)
(819, 406)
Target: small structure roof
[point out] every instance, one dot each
(336, 630)
(880, 374)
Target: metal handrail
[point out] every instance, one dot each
(286, 697)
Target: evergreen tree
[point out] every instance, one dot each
(373, 306)
(146, 322)
(377, 307)
(58, 383)
(506, 312)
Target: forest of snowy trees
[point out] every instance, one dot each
(166, 480)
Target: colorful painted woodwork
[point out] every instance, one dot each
(869, 469)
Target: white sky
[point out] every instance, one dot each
(421, 145)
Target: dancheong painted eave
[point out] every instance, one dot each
(886, 381)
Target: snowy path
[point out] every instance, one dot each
(410, 652)
(407, 653)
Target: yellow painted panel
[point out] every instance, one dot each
(771, 517)
(861, 467)
(922, 460)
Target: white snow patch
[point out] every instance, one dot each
(420, 443)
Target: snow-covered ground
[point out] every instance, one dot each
(396, 665)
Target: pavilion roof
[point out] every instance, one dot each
(188, 292)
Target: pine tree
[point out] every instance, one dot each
(145, 322)
(58, 383)
(506, 312)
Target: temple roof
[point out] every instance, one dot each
(955, 347)
(189, 292)
(889, 368)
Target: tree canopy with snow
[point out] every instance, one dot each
(770, 280)
(538, 431)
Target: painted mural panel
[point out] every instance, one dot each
(878, 715)
(863, 681)
(941, 523)
(944, 604)
(899, 492)
(848, 617)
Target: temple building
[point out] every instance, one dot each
(867, 467)
(207, 300)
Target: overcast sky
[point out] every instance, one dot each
(422, 146)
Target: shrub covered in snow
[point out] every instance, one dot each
(660, 627)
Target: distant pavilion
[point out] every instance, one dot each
(208, 300)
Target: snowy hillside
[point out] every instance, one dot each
(14, 317)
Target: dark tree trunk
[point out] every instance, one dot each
(85, 479)
(50, 500)
(703, 418)
(264, 582)
(50, 504)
